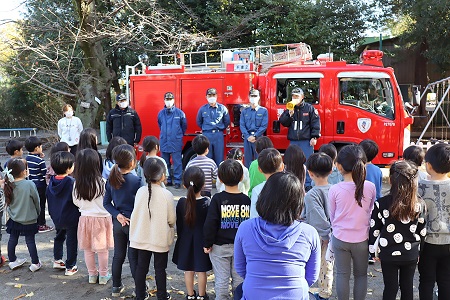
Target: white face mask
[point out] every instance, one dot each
(169, 103)
(68, 113)
(211, 100)
(123, 104)
(254, 100)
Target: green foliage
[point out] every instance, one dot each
(422, 24)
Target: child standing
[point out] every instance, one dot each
(330, 150)
(2, 208)
(152, 230)
(373, 172)
(200, 144)
(244, 185)
(269, 162)
(15, 149)
(351, 204)
(191, 215)
(151, 148)
(227, 211)
(256, 177)
(63, 212)
(95, 226)
(120, 192)
(435, 255)
(416, 155)
(316, 213)
(37, 171)
(294, 162)
(398, 221)
(61, 146)
(108, 163)
(22, 200)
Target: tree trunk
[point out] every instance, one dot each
(96, 78)
(421, 77)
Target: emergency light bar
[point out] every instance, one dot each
(372, 57)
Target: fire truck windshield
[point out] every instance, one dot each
(370, 94)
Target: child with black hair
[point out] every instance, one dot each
(331, 151)
(63, 211)
(15, 149)
(61, 146)
(37, 170)
(351, 203)
(227, 211)
(150, 146)
(120, 192)
(88, 139)
(256, 177)
(244, 185)
(108, 163)
(95, 233)
(294, 162)
(152, 230)
(399, 225)
(200, 144)
(435, 255)
(373, 172)
(188, 254)
(269, 162)
(416, 155)
(22, 200)
(316, 213)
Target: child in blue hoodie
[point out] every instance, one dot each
(277, 255)
(63, 211)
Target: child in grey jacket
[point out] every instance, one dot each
(316, 213)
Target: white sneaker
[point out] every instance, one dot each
(35, 267)
(73, 271)
(17, 263)
(59, 264)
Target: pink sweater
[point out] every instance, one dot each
(349, 221)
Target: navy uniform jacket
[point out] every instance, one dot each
(254, 120)
(124, 123)
(172, 124)
(213, 118)
(304, 123)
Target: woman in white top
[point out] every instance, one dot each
(69, 128)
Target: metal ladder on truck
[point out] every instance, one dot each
(437, 102)
(266, 56)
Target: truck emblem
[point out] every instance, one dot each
(364, 124)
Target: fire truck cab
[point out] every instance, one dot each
(354, 101)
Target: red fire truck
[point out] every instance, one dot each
(354, 101)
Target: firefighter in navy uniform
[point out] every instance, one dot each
(304, 126)
(123, 121)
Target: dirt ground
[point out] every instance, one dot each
(52, 284)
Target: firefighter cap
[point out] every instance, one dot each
(254, 92)
(169, 95)
(211, 91)
(297, 91)
(121, 97)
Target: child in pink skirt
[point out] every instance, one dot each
(95, 233)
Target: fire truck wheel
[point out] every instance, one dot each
(187, 156)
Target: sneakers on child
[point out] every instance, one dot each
(45, 228)
(59, 264)
(71, 271)
(104, 279)
(193, 297)
(17, 263)
(35, 267)
(93, 279)
(2, 261)
(117, 290)
(205, 297)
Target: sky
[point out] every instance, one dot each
(10, 9)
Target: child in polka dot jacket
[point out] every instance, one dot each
(397, 228)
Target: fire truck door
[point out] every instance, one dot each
(364, 109)
(193, 96)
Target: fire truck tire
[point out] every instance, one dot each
(187, 156)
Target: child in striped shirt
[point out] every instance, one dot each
(200, 145)
(37, 170)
